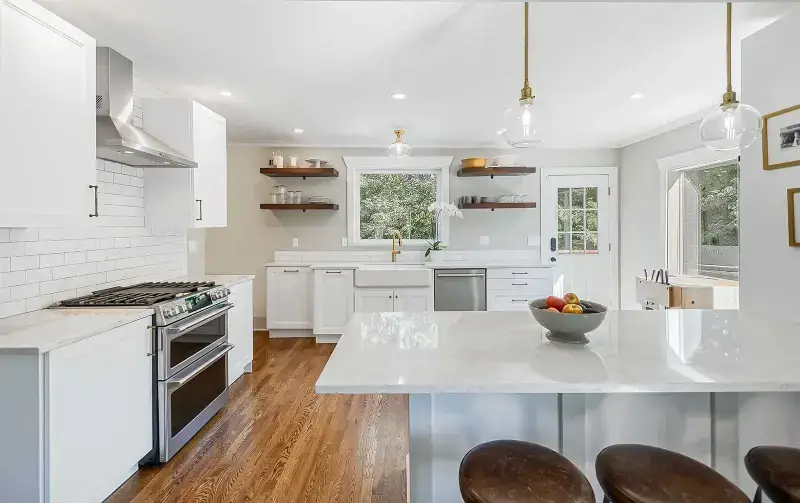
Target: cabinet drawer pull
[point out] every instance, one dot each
(333, 272)
(519, 300)
(519, 284)
(520, 273)
(291, 270)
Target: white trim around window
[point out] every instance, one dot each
(359, 165)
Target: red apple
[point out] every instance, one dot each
(571, 298)
(552, 309)
(555, 302)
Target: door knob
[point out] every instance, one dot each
(552, 259)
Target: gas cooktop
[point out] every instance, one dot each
(143, 294)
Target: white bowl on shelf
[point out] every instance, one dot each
(505, 160)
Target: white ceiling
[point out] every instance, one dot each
(330, 67)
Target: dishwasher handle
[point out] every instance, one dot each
(467, 275)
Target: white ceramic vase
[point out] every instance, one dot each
(436, 256)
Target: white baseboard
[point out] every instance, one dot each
(289, 334)
(328, 339)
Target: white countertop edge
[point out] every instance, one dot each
(555, 388)
(483, 265)
(125, 317)
(336, 265)
(427, 265)
(220, 279)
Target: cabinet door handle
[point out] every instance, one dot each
(96, 213)
(396, 297)
(333, 272)
(520, 273)
(201, 209)
(291, 270)
(519, 284)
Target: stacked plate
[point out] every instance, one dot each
(319, 200)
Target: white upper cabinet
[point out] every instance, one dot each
(333, 300)
(182, 197)
(47, 118)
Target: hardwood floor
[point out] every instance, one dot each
(278, 441)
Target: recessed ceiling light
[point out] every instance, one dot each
(226, 94)
(166, 162)
(398, 96)
(297, 130)
(637, 96)
(128, 152)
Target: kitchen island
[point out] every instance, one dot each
(708, 384)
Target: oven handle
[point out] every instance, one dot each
(192, 322)
(177, 383)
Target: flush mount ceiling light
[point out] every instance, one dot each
(398, 96)
(226, 94)
(732, 125)
(297, 130)
(399, 148)
(523, 123)
(637, 96)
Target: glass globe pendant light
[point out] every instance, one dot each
(732, 125)
(523, 125)
(399, 148)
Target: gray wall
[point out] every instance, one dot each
(252, 234)
(642, 241)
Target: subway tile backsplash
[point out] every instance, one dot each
(41, 266)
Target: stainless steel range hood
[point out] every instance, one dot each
(118, 139)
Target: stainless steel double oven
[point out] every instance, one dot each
(192, 367)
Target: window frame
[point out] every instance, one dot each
(356, 166)
(701, 158)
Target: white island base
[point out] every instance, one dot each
(715, 428)
(708, 384)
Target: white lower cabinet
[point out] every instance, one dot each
(290, 298)
(240, 330)
(374, 300)
(333, 300)
(82, 417)
(510, 289)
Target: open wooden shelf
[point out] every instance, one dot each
(495, 206)
(303, 206)
(498, 171)
(300, 172)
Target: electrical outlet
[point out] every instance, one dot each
(534, 241)
(484, 240)
(295, 242)
(344, 241)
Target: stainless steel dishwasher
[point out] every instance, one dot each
(459, 290)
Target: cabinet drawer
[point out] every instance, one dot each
(519, 273)
(508, 302)
(531, 287)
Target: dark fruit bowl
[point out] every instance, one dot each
(574, 325)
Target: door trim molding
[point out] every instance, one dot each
(613, 203)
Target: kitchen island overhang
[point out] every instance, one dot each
(709, 384)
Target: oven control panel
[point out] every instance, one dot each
(170, 312)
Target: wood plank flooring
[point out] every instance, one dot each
(278, 441)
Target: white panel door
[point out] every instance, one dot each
(333, 300)
(576, 234)
(374, 300)
(99, 402)
(240, 329)
(411, 300)
(47, 119)
(289, 298)
(210, 177)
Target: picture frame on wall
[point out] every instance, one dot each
(793, 200)
(780, 140)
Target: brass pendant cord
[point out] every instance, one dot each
(729, 98)
(526, 93)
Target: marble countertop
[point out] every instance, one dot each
(472, 264)
(48, 329)
(494, 352)
(220, 279)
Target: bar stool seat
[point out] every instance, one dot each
(511, 471)
(776, 470)
(632, 473)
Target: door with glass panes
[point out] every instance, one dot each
(576, 234)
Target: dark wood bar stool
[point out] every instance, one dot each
(631, 473)
(510, 471)
(776, 470)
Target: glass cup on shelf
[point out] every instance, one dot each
(290, 197)
(298, 197)
(274, 198)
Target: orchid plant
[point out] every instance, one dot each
(449, 210)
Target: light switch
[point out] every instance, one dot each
(484, 240)
(295, 242)
(192, 247)
(534, 240)
(344, 241)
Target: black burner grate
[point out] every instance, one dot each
(143, 294)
